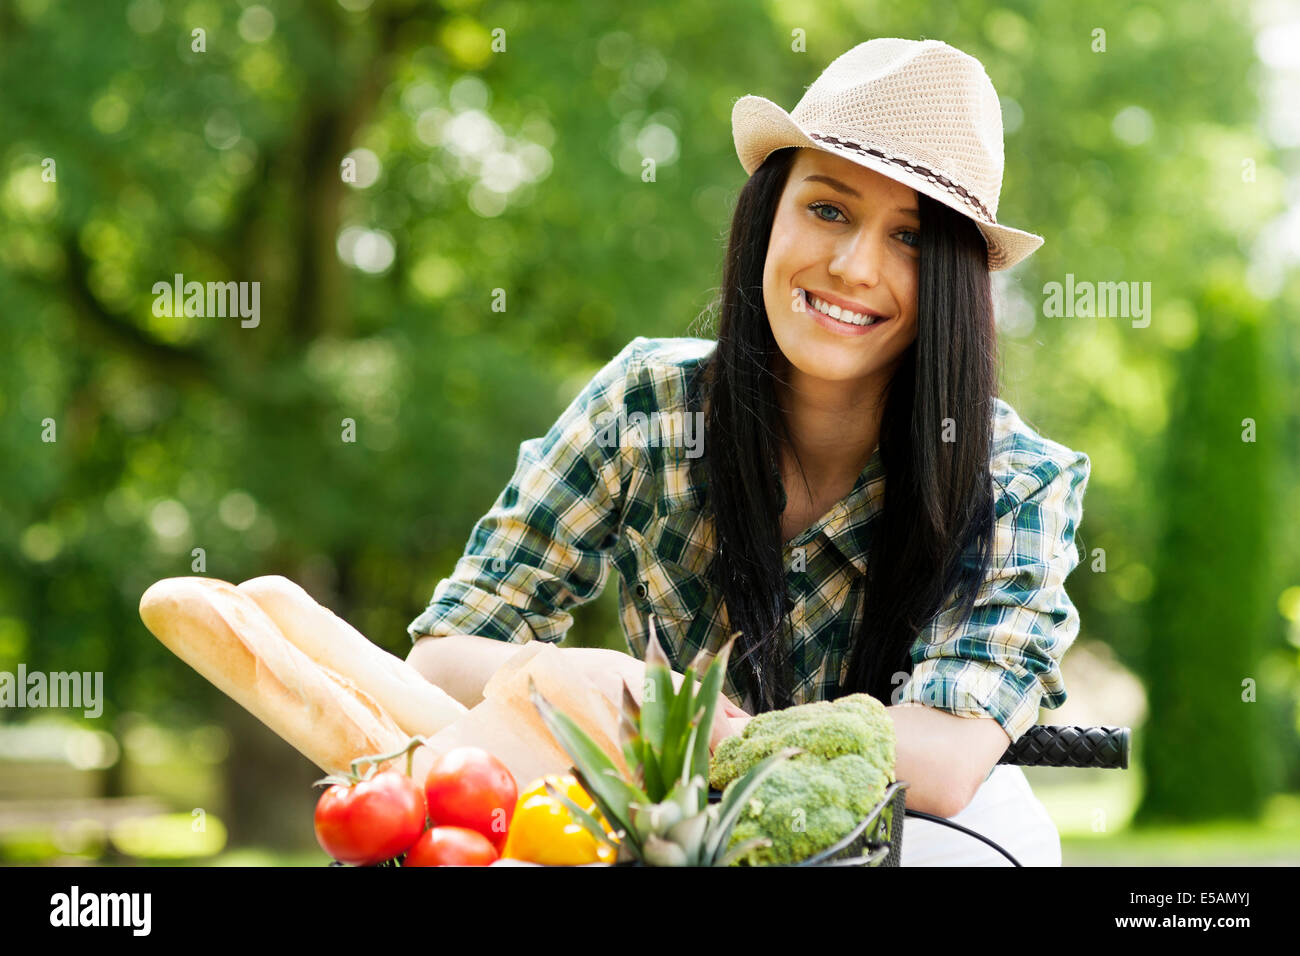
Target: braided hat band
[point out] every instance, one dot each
(920, 112)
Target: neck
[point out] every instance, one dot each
(834, 426)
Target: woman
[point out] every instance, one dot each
(856, 350)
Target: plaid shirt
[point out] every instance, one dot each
(605, 487)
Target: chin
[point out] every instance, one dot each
(834, 371)
(830, 361)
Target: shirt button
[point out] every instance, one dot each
(641, 590)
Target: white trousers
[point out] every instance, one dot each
(1006, 811)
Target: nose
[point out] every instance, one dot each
(857, 259)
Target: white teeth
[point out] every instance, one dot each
(835, 312)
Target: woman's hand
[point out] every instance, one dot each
(609, 669)
(735, 716)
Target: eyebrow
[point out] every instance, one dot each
(844, 188)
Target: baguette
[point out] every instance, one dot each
(417, 705)
(224, 635)
(330, 718)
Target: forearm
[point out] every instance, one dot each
(935, 757)
(460, 664)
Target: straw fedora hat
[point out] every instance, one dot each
(921, 112)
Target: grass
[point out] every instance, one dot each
(1092, 811)
(255, 856)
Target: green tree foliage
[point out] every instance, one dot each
(1208, 749)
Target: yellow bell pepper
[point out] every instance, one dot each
(567, 784)
(543, 830)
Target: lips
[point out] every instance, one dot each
(830, 300)
(853, 318)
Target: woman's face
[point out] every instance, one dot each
(849, 237)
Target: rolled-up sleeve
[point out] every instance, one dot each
(1004, 662)
(543, 547)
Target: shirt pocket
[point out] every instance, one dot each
(662, 586)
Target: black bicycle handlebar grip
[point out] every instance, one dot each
(1048, 746)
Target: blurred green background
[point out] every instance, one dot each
(388, 170)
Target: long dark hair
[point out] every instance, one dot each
(938, 496)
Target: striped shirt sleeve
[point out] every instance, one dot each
(1005, 661)
(543, 547)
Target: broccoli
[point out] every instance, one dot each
(815, 798)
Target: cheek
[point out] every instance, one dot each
(777, 267)
(788, 239)
(905, 283)
(776, 253)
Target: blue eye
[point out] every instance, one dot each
(917, 235)
(818, 206)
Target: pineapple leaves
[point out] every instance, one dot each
(630, 740)
(699, 659)
(658, 691)
(652, 770)
(588, 822)
(665, 715)
(673, 747)
(710, 691)
(637, 750)
(742, 849)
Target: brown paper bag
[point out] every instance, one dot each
(508, 725)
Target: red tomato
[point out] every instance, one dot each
(373, 821)
(468, 787)
(451, 846)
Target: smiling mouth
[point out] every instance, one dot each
(838, 314)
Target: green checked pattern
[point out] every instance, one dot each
(607, 487)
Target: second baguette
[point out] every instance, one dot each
(418, 705)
